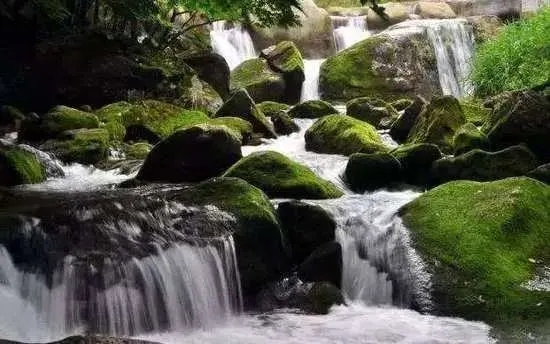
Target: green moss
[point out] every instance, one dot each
(469, 137)
(138, 150)
(63, 118)
(474, 111)
(85, 146)
(280, 177)
(482, 242)
(438, 123)
(312, 109)
(373, 111)
(402, 104)
(240, 126)
(288, 57)
(271, 108)
(20, 167)
(340, 134)
(253, 72)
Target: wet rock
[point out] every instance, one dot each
(373, 111)
(213, 69)
(416, 161)
(283, 124)
(324, 264)
(84, 146)
(18, 166)
(241, 127)
(271, 108)
(367, 172)
(402, 126)
(469, 137)
(312, 109)
(261, 83)
(541, 173)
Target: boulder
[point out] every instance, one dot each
(541, 173)
(486, 27)
(321, 297)
(469, 137)
(402, 126)
(280, 177)
(193, 154)
(18, 166)
(520, 117)
(367, 172)
(286, 59)
(270, 108)
(416, 161)
(241, 127)
(83, 146)
(373, 111)
(312, 109)
(341, 134)
(402, 104)
(395, 63)
(504, 9)
(306, 227)
(213, 69)
(438, 123)
(283, 124)
(482, 245)
(433, 10)
(138, 151)
(259, 80)
(484, 166)
(395, 11)
(313, 37)
(10, 119)
(475, 112)
(241, 105)
(146, 120)
(324, 264)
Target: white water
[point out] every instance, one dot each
(185, 286)
(310, 87)
(232, 42)
(349, 30)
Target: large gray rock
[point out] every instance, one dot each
(502, 8)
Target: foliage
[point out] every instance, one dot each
(518, 58)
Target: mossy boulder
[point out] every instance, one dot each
(438, 123)
(213, 69)
(402, 126)
(191, 155)
(341, 134)
(541, 173)
(402, 104)
(479, 165)
(280, 177)
(270, 108)
(323, 264)
(84, 146)
(321, 297)
(389, 66)
(306, 227)
(373, 111)
(241, 105)
(261, 254)
(367, 172)
(483, 243)
(469, 137)
(147, 120)
(312, 109)
(520, 117)
(259, 80)
(416, 161)
(475, 112)
(10, 119)
(283, 124)
(240, 126)
(285, 58)
(18, 166)
(138, 150)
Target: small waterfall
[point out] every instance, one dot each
(232, 42)
(310, 87)
(135, 269)
(349, 30)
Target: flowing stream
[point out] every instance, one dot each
(232, 42)
(349, 30)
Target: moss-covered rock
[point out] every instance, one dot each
(475, 112)
(312, 109)
(10, 119)
(283, 124)
(520, 117)
(402, 126)
(148, 120)
(259, 80)
(17, 166)
(213, 69)
(402, 104)
(366, 172)
(484, 166)
(373, 111)
(438, 123)
(321, 297)
(469, 137)
(483, 243)
(416, 161)
(285, 58)
(388, 66)
(242, 106)
(138, 150)
(323, 264)
(261, 255)
(270, 108)
(541, 173)
(341, 134)
(193, 154)
(280, 177)
(240, 126)
(84, 146)
(306, 227)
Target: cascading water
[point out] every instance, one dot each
(310, 87)
(349, 30)
(137, 272)
(232, 42)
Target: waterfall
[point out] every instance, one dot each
(138, 274)
(233, 43)
(349, 30)
(310, 87)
